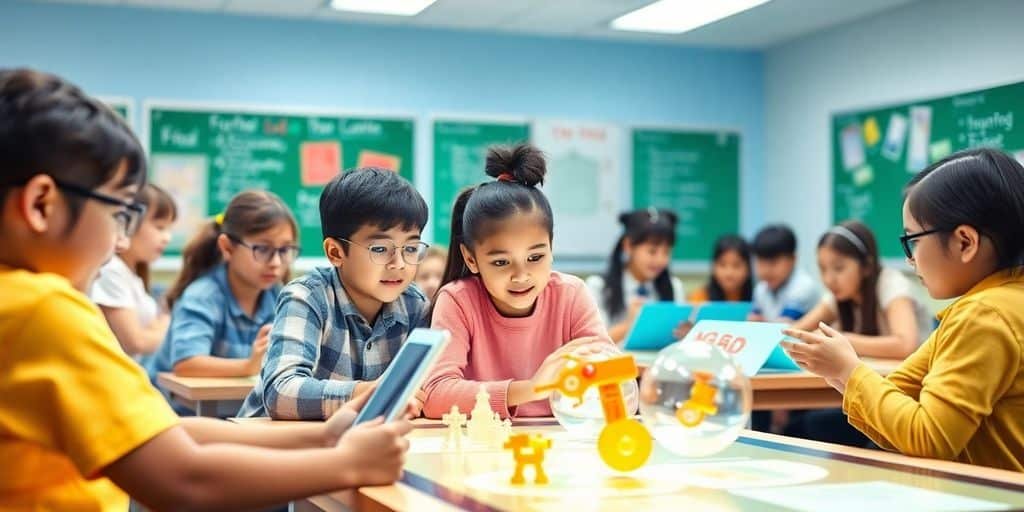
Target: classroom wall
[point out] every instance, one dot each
(211, 57)
(925, 49)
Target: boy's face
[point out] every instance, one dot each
(514, 263)
(372, 280)
(774, 271)
(51, 239)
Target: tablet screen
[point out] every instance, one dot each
(389, 389)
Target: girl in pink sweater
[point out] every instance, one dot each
(513, 320)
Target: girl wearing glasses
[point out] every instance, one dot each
(512, 319)
(960, 396)
(122, 287)
(223, 301)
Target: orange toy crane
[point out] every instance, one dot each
(624, 444)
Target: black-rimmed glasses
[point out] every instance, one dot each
(383, 252)
(909, 241)
(128, 218)
(265, 253)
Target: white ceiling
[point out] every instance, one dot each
(764, 26)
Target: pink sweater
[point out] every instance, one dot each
(490, 349)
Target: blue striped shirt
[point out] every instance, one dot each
(320, 345)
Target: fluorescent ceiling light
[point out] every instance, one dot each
(389, 7)
(678, 16)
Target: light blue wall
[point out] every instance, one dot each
(210, 57)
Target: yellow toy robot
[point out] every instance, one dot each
(528, 449)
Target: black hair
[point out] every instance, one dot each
(867, 255)
(774, 241)
(477, 210)
(723, 245)
(369, 196)
(159, 206)
(49, 126)
(649, 225)
(982, 188)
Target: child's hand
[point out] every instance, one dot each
(580, 347)
(827, 353)
(259, 348)
(682, 329)
(342, 419)
(375, 451)
(415, 407)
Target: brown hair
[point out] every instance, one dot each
(159, 206)
(249, 213)
(867, 255)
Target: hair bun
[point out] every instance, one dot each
(523, 161)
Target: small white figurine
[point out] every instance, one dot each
(454, 420)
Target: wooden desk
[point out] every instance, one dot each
(203, 394)
(792, 390)
(435, 481)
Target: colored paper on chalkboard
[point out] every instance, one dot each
(320, 161)
(383, 160)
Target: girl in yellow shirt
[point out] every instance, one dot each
(960, 396)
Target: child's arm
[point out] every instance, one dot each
(898, 345)
(212, 366)
(821, 313)
(133, 337)
(290, 391)
(172, 471)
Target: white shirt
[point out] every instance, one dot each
(630, 287)
(794, 299)
(892, 285)
(117, 286)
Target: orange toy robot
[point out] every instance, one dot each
(528, 449)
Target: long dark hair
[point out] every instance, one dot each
(518, 171)
(159, 206)
(723, 245)
(249, 213)
(649, 225)
(983, 188)
(866, 253)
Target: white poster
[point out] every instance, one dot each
(920, 137)
(184, 178)
(582, 183)
(895, 137)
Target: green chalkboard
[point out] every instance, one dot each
(875, 152)
(206, 156)
(460, 149)
(697, 175)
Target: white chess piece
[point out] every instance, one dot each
(454, 420)
(480, 419)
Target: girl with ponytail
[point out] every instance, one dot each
(638, 270)
(513, 319)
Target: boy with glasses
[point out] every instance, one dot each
(337, 328)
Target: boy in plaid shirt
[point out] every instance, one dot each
(337, 328)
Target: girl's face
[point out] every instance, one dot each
(947, 267)
(647, 259)
(731, 271)
(429, 274)
(151, 240)
(840, 273)
(514, 263)
(247, 261)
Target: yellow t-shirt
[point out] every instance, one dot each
(960, 396)
(71, 401)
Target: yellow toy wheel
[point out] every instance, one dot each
(689, 416)
(624, 445)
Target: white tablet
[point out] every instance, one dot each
(404, 375)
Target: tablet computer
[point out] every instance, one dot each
(728, 311)
(653, 327)
(405, 374)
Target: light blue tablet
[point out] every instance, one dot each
(654, 325)
(727, 311)
(404, 375)
(779, 361)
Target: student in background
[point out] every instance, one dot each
(223, 301)
(77, 415)
(122, 287)
(871, 305)
(732, 278)
(638, 270)
(431, 271)
(338, 327)
(784, 292)
(960, 395)
(513, 320)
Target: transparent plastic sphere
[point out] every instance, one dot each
(694, 399)
(586, 420)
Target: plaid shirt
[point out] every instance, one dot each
(320, 345)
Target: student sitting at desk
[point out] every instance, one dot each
(872, 305)
(638, 270)
(732, 278)
(960, 395)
